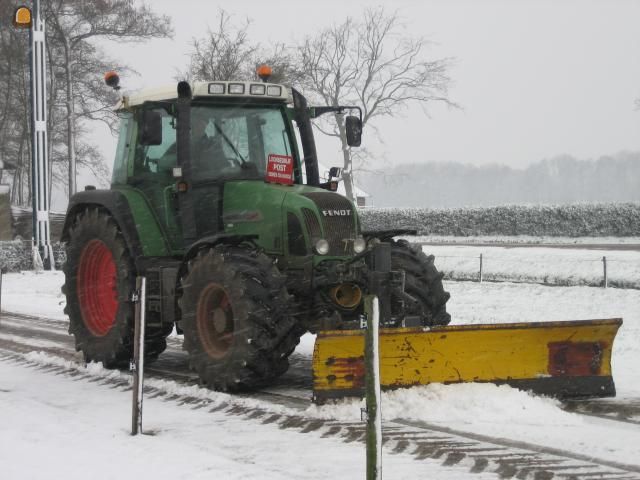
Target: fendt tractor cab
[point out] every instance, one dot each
(244, 249)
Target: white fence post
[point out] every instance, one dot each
(137, 365)
(372, 389)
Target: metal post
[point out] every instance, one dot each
(604, 266)
(480, 268)
(42, 249)
(137, 365)
(377, 306)
(372, 386)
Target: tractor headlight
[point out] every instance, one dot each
(322, 247)
(359, 245)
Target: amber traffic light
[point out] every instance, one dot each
(22, 17)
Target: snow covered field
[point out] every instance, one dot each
(72, 426)
(526, 239)
(538, 265)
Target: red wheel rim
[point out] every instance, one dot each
(214, 318)
(97, 288)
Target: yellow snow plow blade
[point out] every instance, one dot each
(562, 359)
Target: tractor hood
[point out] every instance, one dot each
(289, 220)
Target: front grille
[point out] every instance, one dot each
(338, 221)
(297, 245)
(312, 223)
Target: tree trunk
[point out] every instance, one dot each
(52, 95)
(18, 179)
(14, 185)
(347, 172)
(26, 183)
(71, 134)
(7, 96)
(347, 175)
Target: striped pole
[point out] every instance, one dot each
(42, 250)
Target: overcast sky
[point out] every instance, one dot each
(535, 78)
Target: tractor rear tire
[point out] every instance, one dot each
(100, 278)
(423, 282)
(235, 315)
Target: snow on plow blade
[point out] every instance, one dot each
(563, 359)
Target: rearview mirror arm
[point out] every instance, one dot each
(317, 111)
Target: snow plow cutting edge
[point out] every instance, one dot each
(568, 359)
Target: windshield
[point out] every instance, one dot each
(236, 140)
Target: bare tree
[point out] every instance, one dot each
(76, 94)
(15, 145)
(75, 91)
(223, 54)
(74, 24)
(228, 53)
(370, 63)
(282, 62)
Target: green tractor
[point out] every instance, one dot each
(243, 247)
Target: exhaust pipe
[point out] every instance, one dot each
(346, 295)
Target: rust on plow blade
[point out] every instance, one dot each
(569, 359)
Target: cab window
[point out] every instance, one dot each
(158, 160)
(237, 141)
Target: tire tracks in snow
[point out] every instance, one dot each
(21, 334)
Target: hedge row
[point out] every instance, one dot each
(16, 256)
(582, 220)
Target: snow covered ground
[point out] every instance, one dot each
(54, 427)
(72, 426)
(57, 428)
(538, 264)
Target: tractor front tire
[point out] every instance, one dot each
(235, 315)
(423, 282)
(100, 278)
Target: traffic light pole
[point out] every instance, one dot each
(41, 244)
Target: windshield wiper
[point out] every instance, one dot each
(233, 147)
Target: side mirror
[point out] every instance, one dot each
(150, 128)
(353, 126)
(334, 172)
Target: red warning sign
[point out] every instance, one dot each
(279, 169)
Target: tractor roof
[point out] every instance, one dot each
(258, 90)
